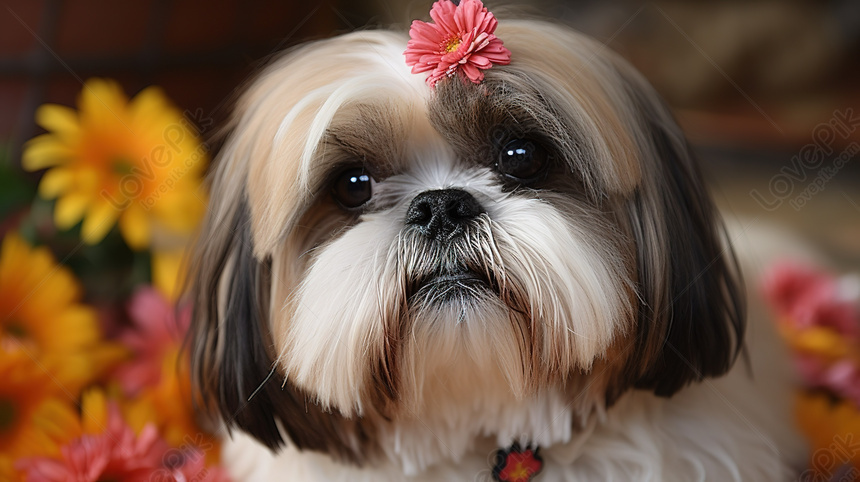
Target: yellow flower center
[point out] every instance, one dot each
(452, 44)
(7, 415)
(520, 472)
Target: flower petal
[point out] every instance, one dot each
(59, 119)
(94, 411)
(496, 52)
(98, 222)
(149, 104)
(473, 73)
(442, 12)
(83, 329)
(55, 182)
(480, 61)
(134, 226)
(471, 26)
(44, 151)
(150, 311)
(166, 272)
(70, 209)
(465, 15)
(58, 420)
(426, 34)
(103, 103)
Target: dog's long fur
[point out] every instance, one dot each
(610, 282)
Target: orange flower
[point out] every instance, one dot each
(7, 470)
(833, 430)
(36, 411)
(818, 341)
(40, 311)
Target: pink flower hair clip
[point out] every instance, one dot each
(460, 40)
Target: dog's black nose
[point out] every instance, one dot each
(442, 214)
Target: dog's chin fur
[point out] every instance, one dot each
(558, 317)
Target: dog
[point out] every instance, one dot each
(522, 278)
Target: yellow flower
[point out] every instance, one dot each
(135, 162)
(821, 341)
(832, 428)
(41, 313)
(36, 412)
(94, 411)
(167, 270)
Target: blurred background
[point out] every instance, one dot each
(768, 92)
(757, 85)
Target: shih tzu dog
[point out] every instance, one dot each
(499, 264)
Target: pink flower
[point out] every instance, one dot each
(808, 297)
(116, 454)
(188, 465)
(822, 307)
(787, 283)
(844, 379)
(119, 454)
(841, 378)
(461, 40)
(157, 329)
(825, 326)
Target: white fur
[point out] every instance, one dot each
(573, 281)
(735, 428)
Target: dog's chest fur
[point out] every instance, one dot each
(726, 429)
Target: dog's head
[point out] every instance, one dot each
(546, 229)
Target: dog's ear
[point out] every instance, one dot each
(232, 360)
(691, 317)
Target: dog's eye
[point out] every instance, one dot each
(522, 160)
(353, 188)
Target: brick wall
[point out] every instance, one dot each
(199, 51)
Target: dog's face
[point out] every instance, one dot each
(372, 241)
